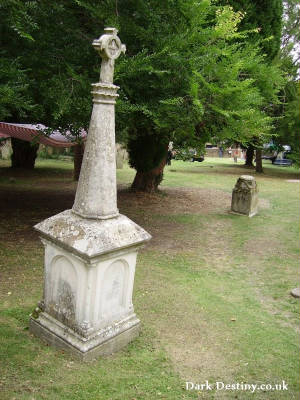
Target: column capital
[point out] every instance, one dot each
(104, 93)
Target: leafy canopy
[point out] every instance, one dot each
(190, 75)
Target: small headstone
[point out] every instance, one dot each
(296, 292)
(5, 149)
(245, 196)
(293, 180)
(121, 155)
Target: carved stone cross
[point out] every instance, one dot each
(91, 250)
(109, 47)
(96, 195)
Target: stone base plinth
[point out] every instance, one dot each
(79, 347)
(243, 214)
(89, 275)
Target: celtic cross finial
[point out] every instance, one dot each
(109, 47)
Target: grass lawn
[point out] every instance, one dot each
(211, 288)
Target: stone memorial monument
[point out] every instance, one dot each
(245, 196)
(91, 250)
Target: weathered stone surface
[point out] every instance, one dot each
(91, 250)
(121, 155)
(91, 237)
(96, 195)
(295, 292)
(5, 149)
(85, 350)
(109, 47)
(245, 196)
(87, 300)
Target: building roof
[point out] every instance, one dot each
(28, 132)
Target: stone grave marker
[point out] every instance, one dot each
(91, 250)
(295, 293)
(5, 149)
(245, 196)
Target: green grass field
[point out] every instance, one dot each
(212, 289)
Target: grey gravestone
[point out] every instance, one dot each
(5, 149)
(295, 292)
(245, 196)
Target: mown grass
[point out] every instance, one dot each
(213, 297)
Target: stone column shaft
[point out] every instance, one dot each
(96, 195)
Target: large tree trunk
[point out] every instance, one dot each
(258, 161)
(24, 154)
(149, 181)
(249, 156)
(78, 156)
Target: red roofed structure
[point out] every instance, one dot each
(29, 132)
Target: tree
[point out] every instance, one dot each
(266, 17)
(47, 64)
(15, 98)
(188, 74)
(288, 112)
(155, 104)
(291, 35)
(211, 90)
(249, 156)
(228, 73)
(287, 129)
(24, 154)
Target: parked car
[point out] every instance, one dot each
(271, 158)
(188, 155)
(198, 158)
(282, 158)
(283, 161)
(277, 158)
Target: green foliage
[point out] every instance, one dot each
(235, 84)
(287, 128)
(146, 152)
(46, 156)
(291, 37)
(190, 74)
(263, 20)
(155, 104)
(16, 29)
(15, 99)
(17, 19)
(49, 45)
(287, 132)
(264, 15)
(196, 81)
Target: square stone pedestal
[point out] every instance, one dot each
(89, 274)
(245, 196)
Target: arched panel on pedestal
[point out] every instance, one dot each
(63, 290)
(114, 289)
